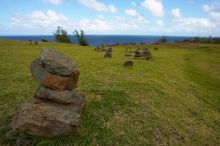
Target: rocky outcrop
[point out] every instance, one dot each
(56, 108)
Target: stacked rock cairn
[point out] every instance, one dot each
(145, 54)
(56, 107)
(108, 53)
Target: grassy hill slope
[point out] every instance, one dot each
(173, 99)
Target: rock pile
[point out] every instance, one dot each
(138, 54)
(146, 53)
(108, 53)
(56, 108)
(127, 53)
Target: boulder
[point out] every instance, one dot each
(48, 119)
(64, 97)
(56, 63)
(53, 81)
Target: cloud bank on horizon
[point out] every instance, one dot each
(130, 17)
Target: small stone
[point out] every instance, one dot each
(64, 97)
(128, 63)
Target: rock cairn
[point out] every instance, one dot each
(127, 53)
(108, 53)
(56, 107)
(146, 53)
(138, 54)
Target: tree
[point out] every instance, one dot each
(61, 35)
(81, 38)
(163, 39)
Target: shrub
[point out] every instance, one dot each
(81, 38)
(163, 39)
(61, 35)
(44, 40)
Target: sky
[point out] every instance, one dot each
(111, 17)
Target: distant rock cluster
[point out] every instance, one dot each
(56, 107)
(108, 53)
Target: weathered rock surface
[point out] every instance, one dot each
(48, 119)
(65, 97)
(56, 63)
(54, 81)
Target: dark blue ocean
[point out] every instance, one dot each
(96, 40)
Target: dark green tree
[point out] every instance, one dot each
(61, 35)
(81, 38)
(163, 39)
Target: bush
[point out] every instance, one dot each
(61, 35)
(163, 39)
(81, 38)
(44, 40)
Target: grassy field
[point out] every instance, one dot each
(173, 99)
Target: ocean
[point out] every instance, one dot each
(96, 40)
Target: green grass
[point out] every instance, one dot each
(173, 99)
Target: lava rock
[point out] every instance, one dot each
(53, 81)
(64, 97)
(56, 63)
(48, 119)
(128, 63)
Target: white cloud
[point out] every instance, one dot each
(154, 6)
(39, 19)
(214, 7)
(55, 2)
(206, 8)
(137, 17)
(193, 23)
(131, 12)
(213, 10)
(133, 3)
(176, 13)
(160, 22)
(98, 6)
(40, 22)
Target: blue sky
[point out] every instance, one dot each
(120, 17)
